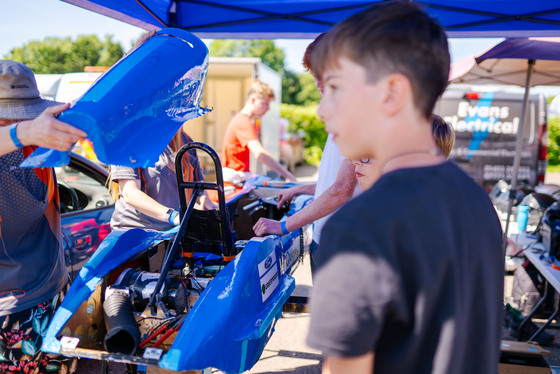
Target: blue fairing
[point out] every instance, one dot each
(233, 318)
(132, 110)
(117, 247)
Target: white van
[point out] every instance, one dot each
(486, 126)
(67, 87)
(74, 85)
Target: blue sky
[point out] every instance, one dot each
(24, 20)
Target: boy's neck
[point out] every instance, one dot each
(414, 146)
(412, 159)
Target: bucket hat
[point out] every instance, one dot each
(19, 95)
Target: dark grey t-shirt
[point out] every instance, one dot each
(32, 266)
(160, 184)
(412, 270)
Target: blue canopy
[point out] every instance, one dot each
(524, 48)
(272, 19)
(506, 63)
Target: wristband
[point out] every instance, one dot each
(13, 135)
(283, 228)
(172, 216)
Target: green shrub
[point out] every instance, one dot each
(554, 140)
(305, 118)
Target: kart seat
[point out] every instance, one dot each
(204, 231)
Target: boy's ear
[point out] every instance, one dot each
(397, 91)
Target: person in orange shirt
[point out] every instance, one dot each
(241, 140)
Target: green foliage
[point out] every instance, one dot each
(54, 55)
(299, 89)
(305, 118)
(554, 140)
(308, 94)
(265, 49)
(290, 88)
(553, 168)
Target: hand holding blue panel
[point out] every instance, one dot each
(132, 111)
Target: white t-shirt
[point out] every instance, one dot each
(328, 169)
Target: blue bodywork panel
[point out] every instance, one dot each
(118, 247)
(132, 111)
(234, 316)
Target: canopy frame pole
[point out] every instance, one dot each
(152, 13)
(518, 145)
(496, 17)
(267, 15)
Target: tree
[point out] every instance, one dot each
(54, 55)
(308, 93)
(290, 88)
(271, 55)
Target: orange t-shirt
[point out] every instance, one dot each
(239, 132)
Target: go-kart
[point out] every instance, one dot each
(205, 294)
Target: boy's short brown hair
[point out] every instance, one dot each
(444, 135)
(260, 90)
(308, 55)
(391, 37)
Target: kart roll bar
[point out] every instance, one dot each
(186, 211)
(226, 237)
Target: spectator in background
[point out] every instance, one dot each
(367, 170)
(444, 135)
(33, 275)
(241, 140)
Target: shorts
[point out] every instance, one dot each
(21, 336)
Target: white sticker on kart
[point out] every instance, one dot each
(152, 353)
(267, 263)
(68, 342)
(269, 283)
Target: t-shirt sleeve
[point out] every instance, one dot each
(123, 172)
(352, 292)
(245, 132)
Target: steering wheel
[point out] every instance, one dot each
(75, 204)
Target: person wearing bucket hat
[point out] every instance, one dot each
(33, 275)
(25, 117)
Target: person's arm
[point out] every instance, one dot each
(44, 131)
(204, 202)
(286, 196)
(343, 365)
(337, 194)
(262, 156)
(133, 195)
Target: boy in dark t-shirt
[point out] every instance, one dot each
(410, 275)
